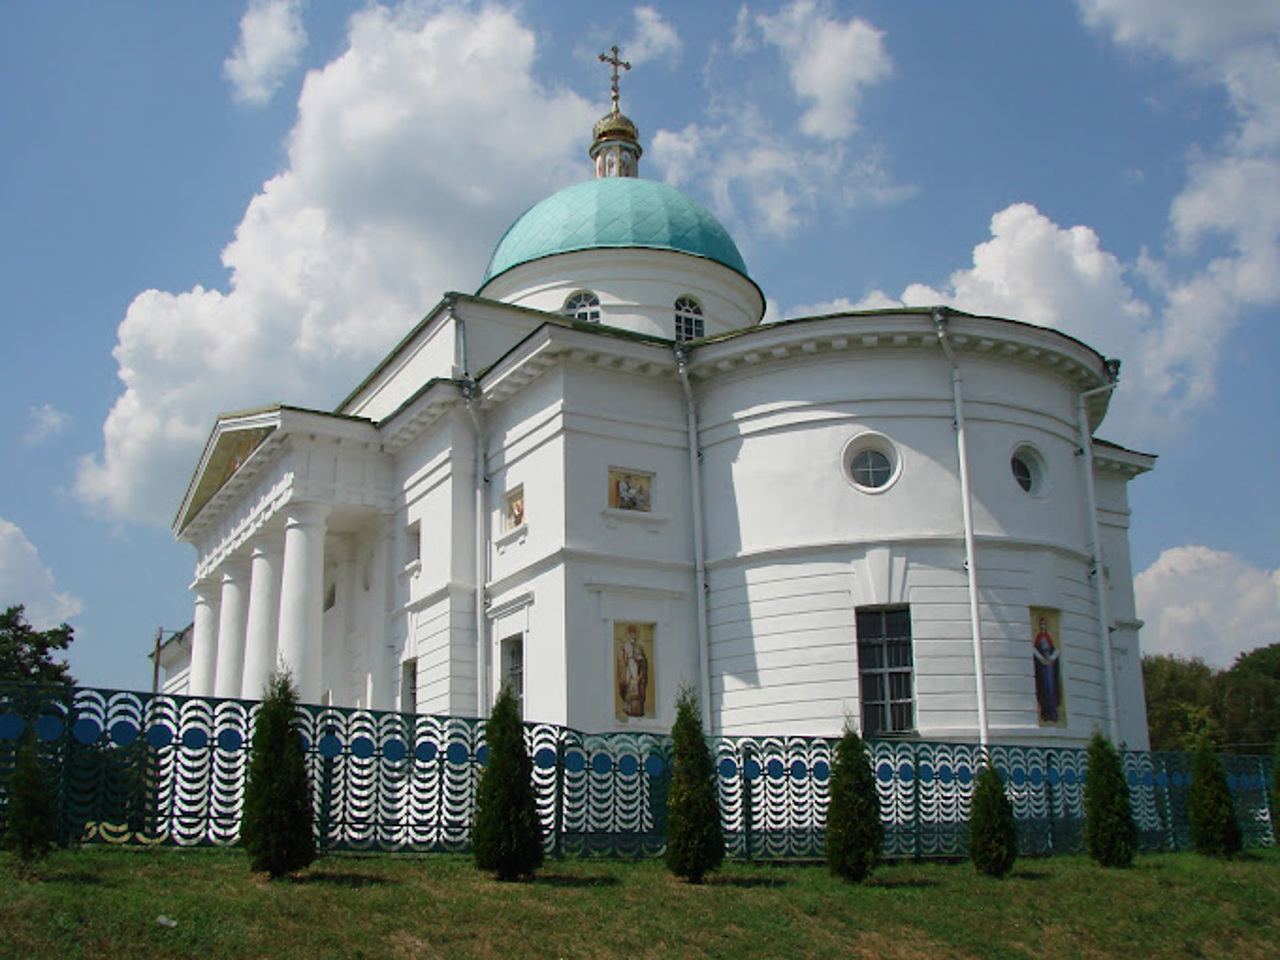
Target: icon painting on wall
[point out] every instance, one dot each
(629, 490)
(1046, 653)
(633, 670)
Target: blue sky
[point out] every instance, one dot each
(208, 207)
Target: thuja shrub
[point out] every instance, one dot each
(30, 815)
(1110, 835)
(506, 835)
(855, 837)
(277, 830)
(993, 835)
(695, 845)
(1215, 832)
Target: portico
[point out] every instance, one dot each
(299, 479)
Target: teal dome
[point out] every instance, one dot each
(614, 212)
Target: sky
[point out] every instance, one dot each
(210, 207)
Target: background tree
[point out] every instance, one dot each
(1247, 701)
(993, 834)
(1180, 698)
(506, 835)
(855, 837)
(1215, 832)
(30, 815)
(1110, 835)
(1237, 709)
(276, 830)
(26, 654)
(695, 844)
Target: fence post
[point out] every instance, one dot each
(558, 824)
(747, 813)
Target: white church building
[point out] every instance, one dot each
(601, 477)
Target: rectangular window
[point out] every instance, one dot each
(513, 667)
(412, 543)
(884, 667)
(409, 686)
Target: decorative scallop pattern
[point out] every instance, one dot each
(140, 769)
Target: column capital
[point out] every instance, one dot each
(306, 513)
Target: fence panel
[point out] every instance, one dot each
(141, 769)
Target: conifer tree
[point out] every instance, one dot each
(993, 835)
(506, 836)
(855, 836)
(1215, 832)
(276, 830)
(30, 815)
(1110, 835)
(695, 844)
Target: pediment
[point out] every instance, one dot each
(233, 442)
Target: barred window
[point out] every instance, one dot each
(584, 306)
(884, 667)
(688, 319)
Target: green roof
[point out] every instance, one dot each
(614, 212)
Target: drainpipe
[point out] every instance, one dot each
(699, 547)
(1095, 544)
(471, 394)
(966, 502)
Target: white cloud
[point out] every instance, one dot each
(1232, 196)
(760, 175)
(271, 39)
(1199, 602)
(46, 421)
(830, 63)
(25, 580)
(654, 39)
(1034, 270)
(400, 175)
(1188, 30)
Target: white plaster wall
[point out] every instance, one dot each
(437, 593)
(796, 547)
(637, 288)
(431, 353)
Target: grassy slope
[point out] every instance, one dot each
(101, 902)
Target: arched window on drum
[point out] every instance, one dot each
(689, 324)
(583, 305)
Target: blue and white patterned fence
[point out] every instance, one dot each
(136, 768)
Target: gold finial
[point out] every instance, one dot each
(614, 78)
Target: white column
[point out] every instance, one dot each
(264, 616)
(302, 597)
(381, 663)
(231, 624)
(204, 641)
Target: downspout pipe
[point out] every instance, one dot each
(940, 322)
(471, 395)
(1098, 573)
(699, 545)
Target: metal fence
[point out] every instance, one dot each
(142, 769)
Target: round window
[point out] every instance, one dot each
(871, 461)
(871, 468)
(1028, 470)
(1022, 472)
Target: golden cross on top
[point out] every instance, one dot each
(614, 78)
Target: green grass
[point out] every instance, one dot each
(100, 902)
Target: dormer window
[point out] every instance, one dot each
(584, 306)
(688, 319)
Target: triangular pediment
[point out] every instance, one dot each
(235, 439)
